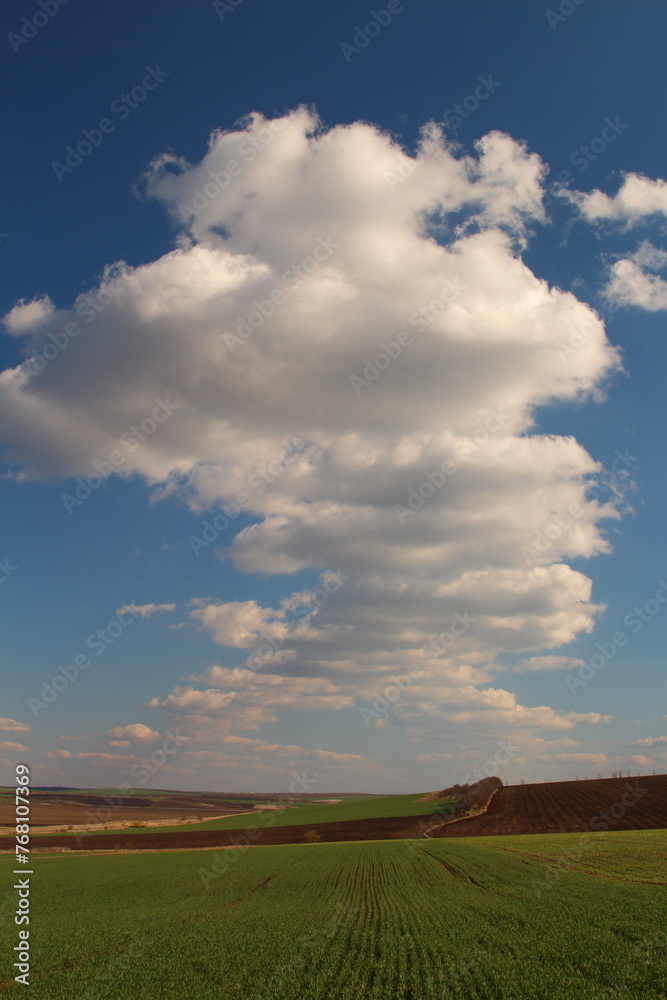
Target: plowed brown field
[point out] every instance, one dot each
(367, 829)
(570, 807)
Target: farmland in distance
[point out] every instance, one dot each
(467, 918)
(555, 807)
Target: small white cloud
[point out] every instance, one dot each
(650, 741)
(339, 757)
(579, 758)
(102, 756)
(245, 700)
(650, 256)
(11, 726)
(638, 198)
(240, 623)
(146, 610)
(593, 718)
(5, 745)
(136, 731)
(247, 746)
(630, 284)
(642, 761)
(547, 663)
(25, 316)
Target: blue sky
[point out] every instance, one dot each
(387, 213)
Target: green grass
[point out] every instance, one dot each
(631, 854)
(383, 920)
(308, 813)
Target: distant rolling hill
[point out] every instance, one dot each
(555, 807)
(570, 807)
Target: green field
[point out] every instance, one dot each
(413, 921)
(628, 854)
(364, 807)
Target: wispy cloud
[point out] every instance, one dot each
(146, 610)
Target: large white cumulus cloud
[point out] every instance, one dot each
(302, 253)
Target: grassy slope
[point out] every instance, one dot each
(346, 921)
(352, 808)
(629, 854)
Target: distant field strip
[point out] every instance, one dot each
(365, 807)
(386, 921)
